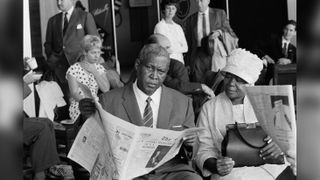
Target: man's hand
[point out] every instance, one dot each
(271, 151)
(208, 91)
(269, 59)
(87, 107)
(215, 34)
(190, 140)
(225, 166)
(284, 61)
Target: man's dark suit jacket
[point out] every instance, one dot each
(58, 46)
(273, 48)
(202, 68)
(178, 78)
(175, 110)
(218, 20)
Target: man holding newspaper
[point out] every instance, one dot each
(147, 102)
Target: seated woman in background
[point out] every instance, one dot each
(87, 74)
(172, 30)
(230, 106)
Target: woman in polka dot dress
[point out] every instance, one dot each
(88, 73)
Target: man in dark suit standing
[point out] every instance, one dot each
(147, 102)
(65, 30)
(278, 49)
(201, 24)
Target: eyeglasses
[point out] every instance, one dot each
(230, 76)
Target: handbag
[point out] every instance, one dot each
(243, 143)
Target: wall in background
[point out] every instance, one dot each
(254, 20)
(292, 14)
(292, 9)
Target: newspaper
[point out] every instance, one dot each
(92, 151)
(117, 149)
(275, 111)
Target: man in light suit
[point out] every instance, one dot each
(201, 24)
(167, 109)
(65, 30)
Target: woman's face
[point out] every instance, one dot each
(93, 55)
(170, 11)
(234, 87)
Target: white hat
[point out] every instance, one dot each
(244, 64)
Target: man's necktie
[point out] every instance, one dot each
(285, 50)
(147, 115)
(204, 25)
(65, 23)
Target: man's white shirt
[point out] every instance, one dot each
(155, 103)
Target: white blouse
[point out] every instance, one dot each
(176, 37)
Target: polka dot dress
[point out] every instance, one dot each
(85, 78)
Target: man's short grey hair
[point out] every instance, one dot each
(155, 38)
(150, 51)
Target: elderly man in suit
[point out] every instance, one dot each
(65, 30)
(147, 102)
(201, 24)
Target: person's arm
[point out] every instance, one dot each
(188, 146)
(49, 38)
(157, 29)
(102, 81)
(100, 77)
(178, 78)
(207, 151)
(180, 45)
(226, 24)
(74, 88)
(201, 66)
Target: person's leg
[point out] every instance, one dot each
(38, 133)
(183, 175)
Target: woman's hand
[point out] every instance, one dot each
(271, 151)
(224, 166)
(91, 68)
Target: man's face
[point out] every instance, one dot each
(64, 5)
(203, 5)
(151, 73)
(289, 31)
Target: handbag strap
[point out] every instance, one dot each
(244, 140)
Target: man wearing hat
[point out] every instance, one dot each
(242, 69)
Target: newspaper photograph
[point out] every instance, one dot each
(121, 150)
(275, 110)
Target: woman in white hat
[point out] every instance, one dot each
(230, 106)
